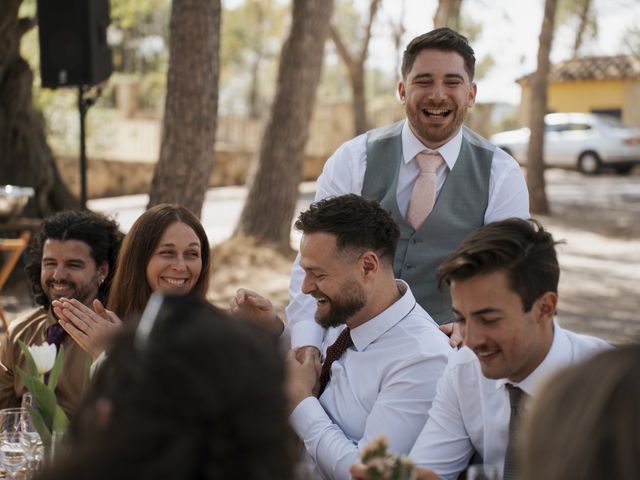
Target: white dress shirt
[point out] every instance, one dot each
(344, 173)
(471, 412)
(382, 385)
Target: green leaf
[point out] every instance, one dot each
(41, 427)
(46, 401)
(55, 371)
(31, 363)
(60, 420)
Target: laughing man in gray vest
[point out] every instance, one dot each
(475, 183)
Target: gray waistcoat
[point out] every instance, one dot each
(459, 209)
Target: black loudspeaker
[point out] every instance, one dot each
(73, 42)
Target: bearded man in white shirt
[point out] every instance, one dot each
(475, 184)
(504, 289)
(394, 353)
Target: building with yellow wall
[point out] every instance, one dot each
(591, 84)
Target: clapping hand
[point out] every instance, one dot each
(452, 330)
(90, 328)
(255, 307)
(303, 377)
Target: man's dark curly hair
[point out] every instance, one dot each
(443, 39)
(101, 235)
(202, 397)
(522, 248)
(358, 224)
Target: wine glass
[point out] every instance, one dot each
(483, 472)
(32, 442)
(12, 455)
(11, 419)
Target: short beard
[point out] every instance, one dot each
(342, 308)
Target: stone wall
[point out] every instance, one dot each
(111, 178)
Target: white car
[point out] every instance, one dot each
(587, 141)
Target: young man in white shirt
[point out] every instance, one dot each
(504, 284)
(477, 183)
(394, 353)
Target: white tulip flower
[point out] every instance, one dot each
(44, 355)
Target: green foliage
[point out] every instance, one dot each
(47, 417)
(134, 14)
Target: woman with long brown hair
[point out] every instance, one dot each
(166, 251)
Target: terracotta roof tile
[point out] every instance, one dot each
(592, 68)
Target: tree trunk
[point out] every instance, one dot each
(270, 205)
(584, 13)
(355, 68)
(448, 14)
(535, 157)
(397, 33)
(189, 127)
(255, 112)
(25, 156)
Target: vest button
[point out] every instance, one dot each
(416, 241)
(408, 266)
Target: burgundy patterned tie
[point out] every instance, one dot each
(334, 352)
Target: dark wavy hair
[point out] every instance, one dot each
(522, 248)
(131, 291)
(439, 39)
(358, 223)
(202, 398)
(101, 234)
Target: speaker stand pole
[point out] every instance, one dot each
(84, 103)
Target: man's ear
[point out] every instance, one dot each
(401, 91)
(546, 306)
(370, 263)
(103, 270)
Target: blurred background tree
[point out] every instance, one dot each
(25, 156)
(279, 171)
(191, 107)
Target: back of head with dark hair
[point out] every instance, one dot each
(131, 290)
(522, 248)
(202, 398)
(101, 235)
(439, 39)
(585, 423)
(358, 224)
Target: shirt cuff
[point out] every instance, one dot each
(305, 415)
(306, 333)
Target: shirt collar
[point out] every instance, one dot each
(372, 329)
(559, 356)
(411, 146)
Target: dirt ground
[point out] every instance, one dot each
(600, 262)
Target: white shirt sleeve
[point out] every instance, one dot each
(443, 445)
(343, 173)
(399, 412)
(508, 193)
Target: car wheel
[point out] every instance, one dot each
(589, 163)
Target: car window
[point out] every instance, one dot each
(557, 127)
(579, 126)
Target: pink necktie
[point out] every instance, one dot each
(423, 196)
